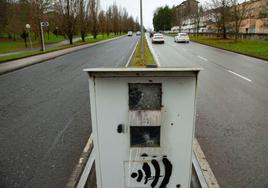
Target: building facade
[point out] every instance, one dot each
(254, 19)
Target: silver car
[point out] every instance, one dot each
(182, 37)
(158, 38)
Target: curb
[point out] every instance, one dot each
(152, 51)
(132, 54)
(28, 61)
(80, 167)
(204, 166)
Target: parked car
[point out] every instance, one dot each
(138, 33)
(158, 38)
(182, 37)
(130, 33)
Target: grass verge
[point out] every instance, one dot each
(137, 60)
(28, 54)
(8, 45)
(254, 48)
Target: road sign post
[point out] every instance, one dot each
(143, 126)
(43, 24)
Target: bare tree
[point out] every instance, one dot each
(102, 22)
(221, 15)
(197, 18)
(93, 16)
(38, 13)
(13, 26)
(3, 14)
(67, 10)
(238, 12)
(125, 20)
(115, 18)
(82, 19)
(108, 20)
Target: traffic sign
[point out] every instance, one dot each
(44, 24)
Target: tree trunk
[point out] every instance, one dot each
(224, 32)
(71, 39)
(83, 37)
(25, 42)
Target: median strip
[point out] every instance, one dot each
(137, 60)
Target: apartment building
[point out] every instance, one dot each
(255, 19)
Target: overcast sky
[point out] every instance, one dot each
(149, 6)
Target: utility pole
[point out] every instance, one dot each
(142, 32)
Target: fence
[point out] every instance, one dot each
(249, 36)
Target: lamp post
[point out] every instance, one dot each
(28, 27)
(142, 32)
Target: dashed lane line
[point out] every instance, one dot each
(243, 77)
(205, 59)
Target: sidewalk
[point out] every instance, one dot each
(24, 62)
(62, 43)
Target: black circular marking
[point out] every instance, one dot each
(134, 175)
(144, 155)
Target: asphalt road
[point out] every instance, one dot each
(44, 115)
(232, 110)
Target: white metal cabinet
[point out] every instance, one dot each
(154, 148)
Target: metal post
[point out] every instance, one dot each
(142, 32)
(28, 28)
(42, 38)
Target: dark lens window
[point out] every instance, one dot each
(145, 96)
(145, 136)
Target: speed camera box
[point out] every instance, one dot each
(143, 126)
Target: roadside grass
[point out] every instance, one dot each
(137, 60)
(8, 45)
(254, 48)
(28, 54)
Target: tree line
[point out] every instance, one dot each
(65, 17)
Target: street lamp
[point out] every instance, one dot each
(142, 31)
(28, 27)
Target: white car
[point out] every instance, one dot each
(158, 38)
(130, 33)
(182, 37)
(138, 33)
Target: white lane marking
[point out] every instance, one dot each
(56, 140)
(202, 58)
(243, 77)
(132, 54)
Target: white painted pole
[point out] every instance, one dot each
(42, 38)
